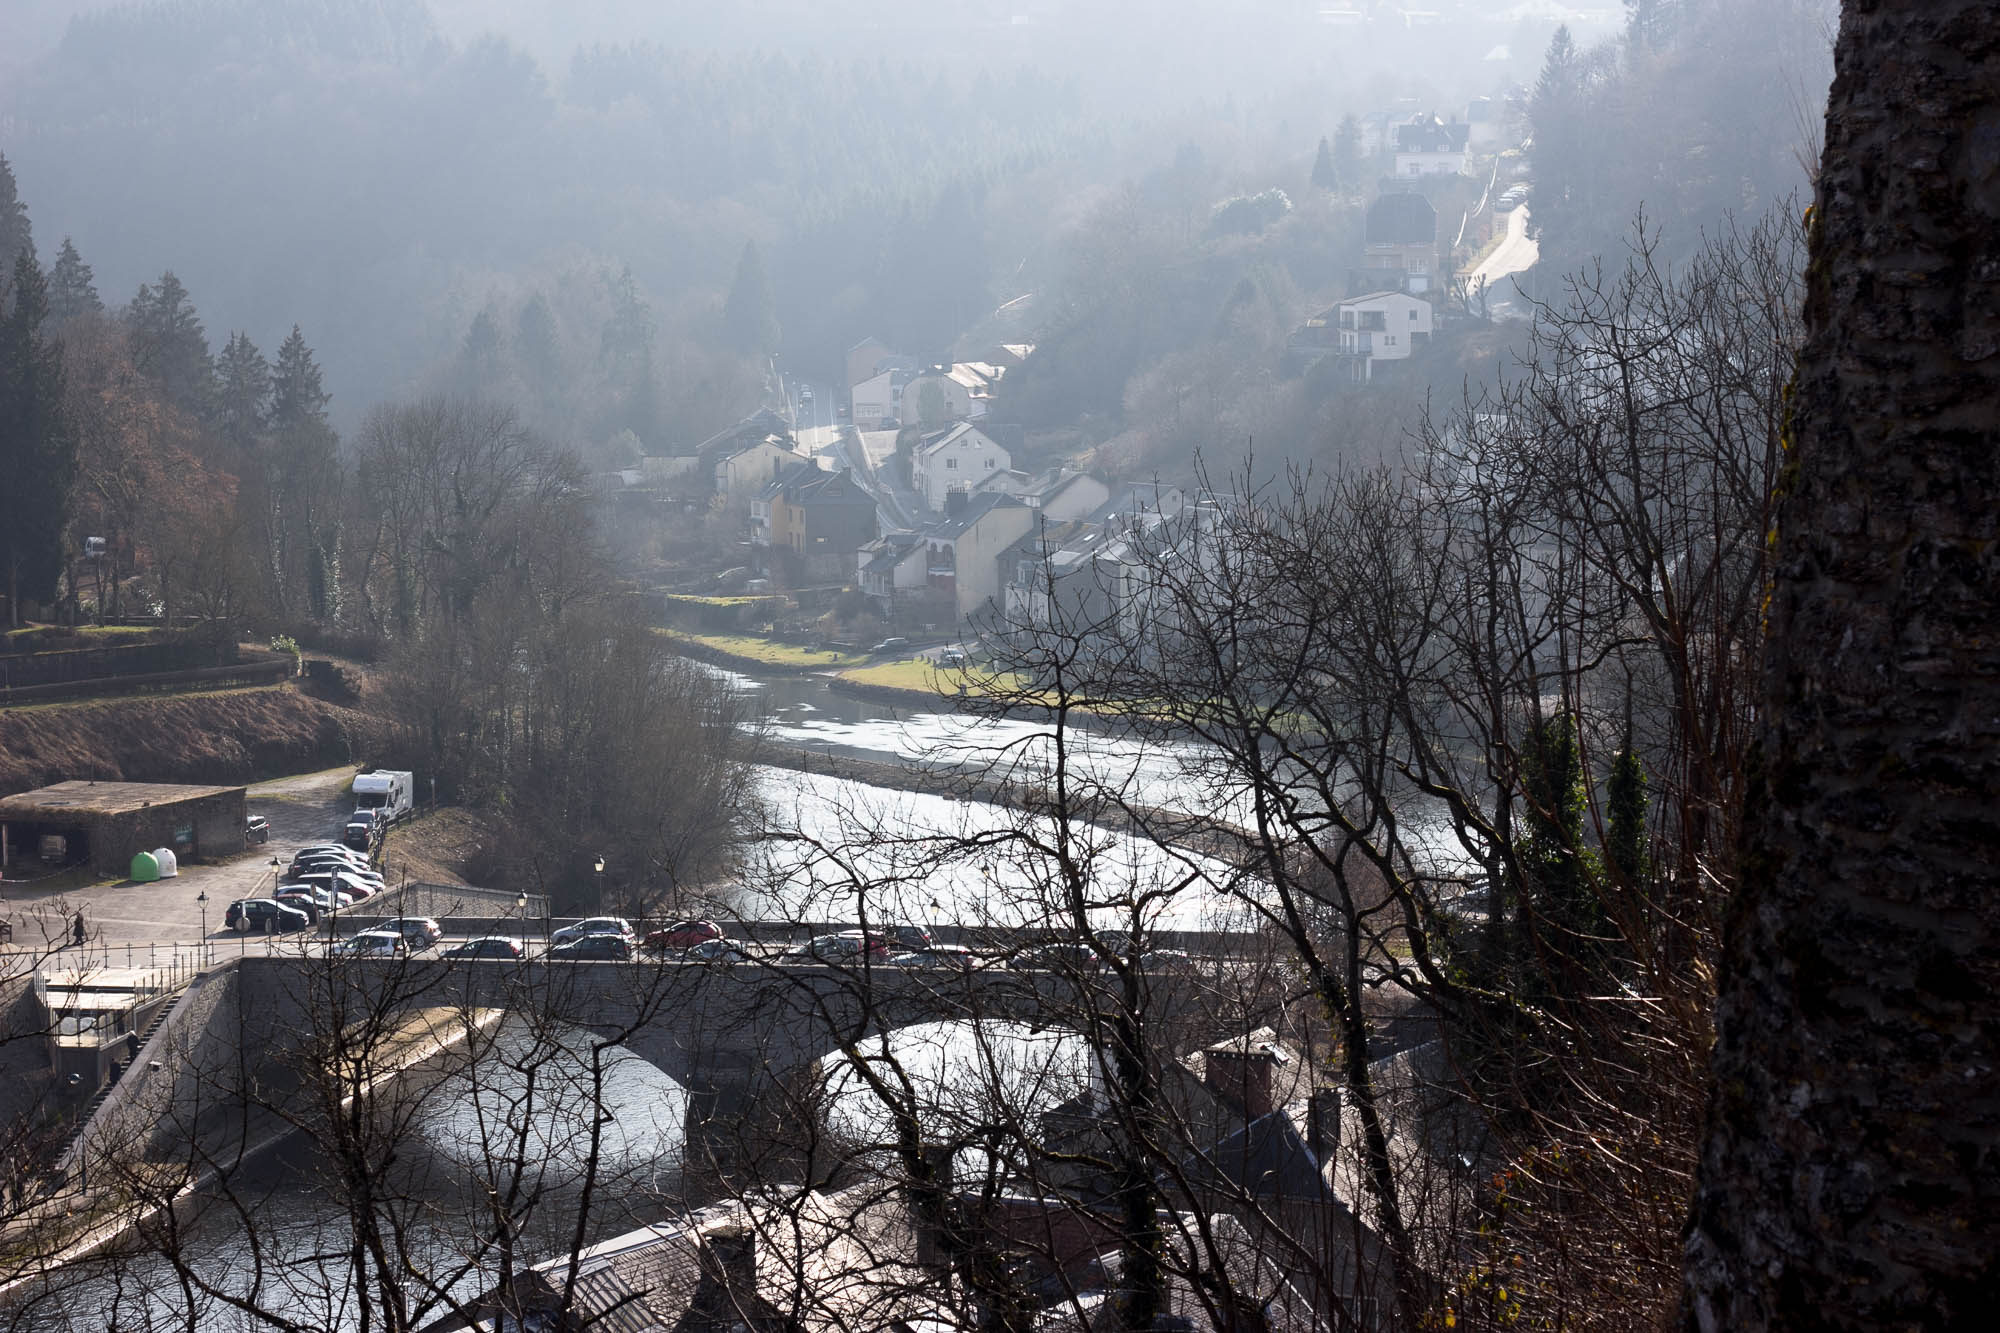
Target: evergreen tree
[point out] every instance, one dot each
(1556, 870)
(479, 356)
(536, 347)
(1651, 24)
(1323, 177)
(243, 401)
(1625, 845)
(37, 444)
(627, 342)
(17, 237)
(297, 400)
(750, 316)
(170, 347)
(72, 286)
(1347, 165)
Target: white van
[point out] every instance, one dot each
(389, 791)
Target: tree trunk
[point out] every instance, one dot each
(1851, 1177)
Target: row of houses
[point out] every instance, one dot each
(886, 388)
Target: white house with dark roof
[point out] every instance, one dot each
(1381, 327)
(1428, 146)
(957, 458)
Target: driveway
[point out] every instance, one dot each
(122, 916)
(1516, 253)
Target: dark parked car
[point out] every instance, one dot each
(716, 951)
(256, 828)
(1056, 958)
(263, 914)
(945, 957)
(839, 948)
(594, 947)
(488, 946)
(683, 935)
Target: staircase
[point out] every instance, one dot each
(87, 1114)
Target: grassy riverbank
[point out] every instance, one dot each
(752, 652)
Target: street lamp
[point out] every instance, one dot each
(600, 883)
(201, 901)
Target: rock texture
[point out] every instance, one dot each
(1852, 1175)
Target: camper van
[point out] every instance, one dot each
(389, 793)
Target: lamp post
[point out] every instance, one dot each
(600, 883)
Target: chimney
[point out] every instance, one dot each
(932, 1200)
(1323, 1124)
(1244, 1070)
(729, 1268)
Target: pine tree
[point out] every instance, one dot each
(627, 342)
(297, 400)
(536, 347)
(37, 444)
(480, 354)
(750, 316)
(1347, 165)
(72, 286)
(1625, 847)
(17, 237)
(1557, 872)
(1323, 177)
(243, 401)
(170, 347)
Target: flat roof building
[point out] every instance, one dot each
(104, 824)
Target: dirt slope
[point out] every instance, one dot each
(238, 736)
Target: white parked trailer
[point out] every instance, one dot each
(391, 791)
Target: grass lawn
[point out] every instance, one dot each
(745, 599)
(919, 673)
(770, 651)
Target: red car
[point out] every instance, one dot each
(683, 935)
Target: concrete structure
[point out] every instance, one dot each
(106, 823)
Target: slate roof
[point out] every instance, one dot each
(1402, 217)
(981, 504)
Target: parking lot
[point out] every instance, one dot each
(123, 913)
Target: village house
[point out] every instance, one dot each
(956, 458)
(821, 517)
(962, 553)
(879, 398)
(1427, 146)
(743, 459)
(1401, 249)
(891, 569)
(1380, 329)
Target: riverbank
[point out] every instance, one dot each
(1204, 835)
(752, 655)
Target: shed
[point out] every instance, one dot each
(106, 824)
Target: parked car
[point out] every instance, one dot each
(304, 901)
(256, 829)
(683, 935)
(1071, 957)
(949, 957)
(305, 863)
(600, 947)
(842, 947)
(891, 646)
(724, 950)
(264, 914)
(328, 900)
(374, 944)
(953, 657)
(341, 881)
(422, 932)
(488, 946)
(343, 855)
(910, 938)
(594, 925)
(363, 831)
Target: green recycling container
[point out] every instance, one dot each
(145, 867)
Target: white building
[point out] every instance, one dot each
(957, 458)
(1427, 146)
(1382, 326)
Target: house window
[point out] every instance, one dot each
(1413, 314)
(989, 463)
(951, 465)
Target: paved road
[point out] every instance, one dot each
(308, 808)
(1516, 253)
